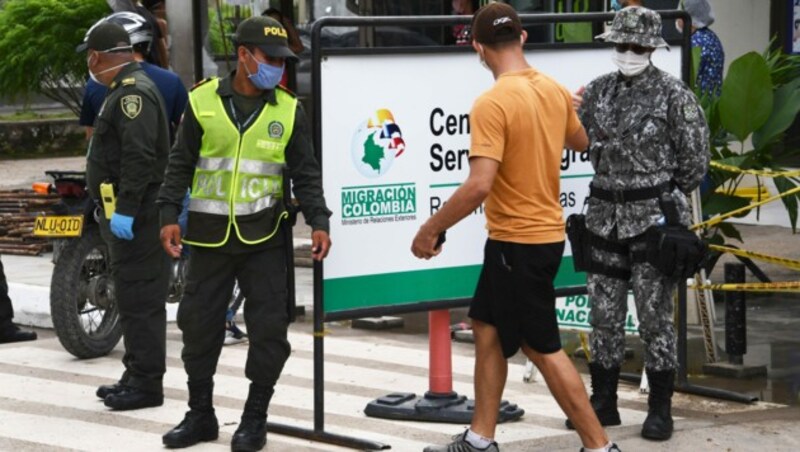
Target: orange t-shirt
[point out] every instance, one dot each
(523, 122)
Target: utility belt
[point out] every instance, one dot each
(634, 194)
(671, 248)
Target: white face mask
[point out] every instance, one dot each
(93, 76)
(631, 64)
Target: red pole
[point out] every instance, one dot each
(441, 368)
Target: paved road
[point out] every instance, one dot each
(47, 401)
(47, 397)
(22, 173)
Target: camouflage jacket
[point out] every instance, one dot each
(643, 132)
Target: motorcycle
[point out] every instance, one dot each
(82, 303)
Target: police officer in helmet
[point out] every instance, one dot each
(649, 149)
(242, 136)
(126, 160)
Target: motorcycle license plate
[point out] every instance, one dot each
(58, 226)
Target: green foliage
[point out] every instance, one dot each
(696, 53)
(747, 97)
(760, 100)
(37, 48)
(230, 16)
(784, 111)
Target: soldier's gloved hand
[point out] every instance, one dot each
(122, 226)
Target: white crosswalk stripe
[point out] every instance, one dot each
(47, 399)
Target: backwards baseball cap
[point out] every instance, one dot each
(267, 34)
(635, 25)
(495, 23)
(105, 37)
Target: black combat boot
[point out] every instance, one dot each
(106, 390)
(252, 432)
(200, 422)
(658, 425)
(11, 333)
(130, 398)
(604, 395)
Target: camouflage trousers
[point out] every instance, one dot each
(653, 294)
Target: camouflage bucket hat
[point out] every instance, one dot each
(635, 25)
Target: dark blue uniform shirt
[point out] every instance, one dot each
(168, 84)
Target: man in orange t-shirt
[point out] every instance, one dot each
(519, 130)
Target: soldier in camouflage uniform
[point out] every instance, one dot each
(649, 140)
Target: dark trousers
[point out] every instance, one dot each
(140, 271)
(6, 310)
(201, 316)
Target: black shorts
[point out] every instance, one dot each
(516, 294)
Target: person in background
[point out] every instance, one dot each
(168, 83)
(519, 130)
(8, 331)
(295, 43)
(712, 55)
(159, 10)
(157, 52)
(461, 32)
(617, 5)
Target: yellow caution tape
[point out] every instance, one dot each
(721, 218)
(763, 173)
(793, 286)
(322, 333)
(585, 346)
(788, 263)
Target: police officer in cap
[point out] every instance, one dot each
(649, 149)
(241, 138)
(127, 155)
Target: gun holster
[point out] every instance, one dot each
(580, 242)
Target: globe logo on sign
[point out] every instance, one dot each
(376, 143)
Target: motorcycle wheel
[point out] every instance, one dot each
(82, 302)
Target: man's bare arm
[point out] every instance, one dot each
(464, 201)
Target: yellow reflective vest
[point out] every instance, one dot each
(238, 180)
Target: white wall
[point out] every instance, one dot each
(742, 26)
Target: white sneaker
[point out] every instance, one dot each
(233, 335)
(460, 444)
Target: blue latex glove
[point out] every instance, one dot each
(122, 226)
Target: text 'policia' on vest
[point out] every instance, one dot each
(239, 175)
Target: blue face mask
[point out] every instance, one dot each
(267, 76)
(615, 5)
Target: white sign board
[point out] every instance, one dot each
(395, 145)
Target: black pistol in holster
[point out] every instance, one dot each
(672, 248)
(580, 242)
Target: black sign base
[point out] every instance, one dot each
(451, 408)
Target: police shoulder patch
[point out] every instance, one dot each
(131, 105)
(690, 112)
(275, 129)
